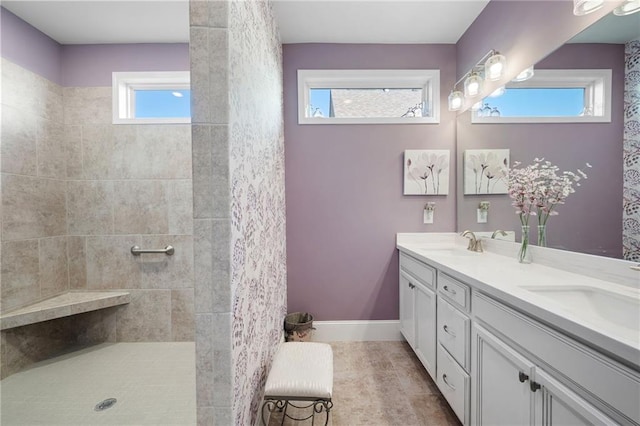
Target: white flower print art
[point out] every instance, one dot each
(486, 171)
(426, 172)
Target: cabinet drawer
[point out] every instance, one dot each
(454, 290)
(426, 274)
(453, 332)
(454, 384)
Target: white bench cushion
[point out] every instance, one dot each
(303, 369)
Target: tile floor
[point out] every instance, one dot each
(154, 384)
(382, 384)
(375, 384)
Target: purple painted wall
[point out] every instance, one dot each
(590, 221)
(92, 65)
(344, 188)
(523, 31)
(83, 65)
(24, 45)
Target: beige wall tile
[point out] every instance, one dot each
(73, 148)
(211, 171)
(212, 14)
(90, 207)
(147, 318)
(87, 105)
(199, 58)
(20, 270)
(51, 150)
(110, 264)
(54, 274)
(160, 152)
(77, 261)
(105, 150)
(219, 68)
(163, 271)
(180, 199)
(204, 360)
(32, 207)
(140, 207)
(182, 315)
(95, 327)
(19, 133)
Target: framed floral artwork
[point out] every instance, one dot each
(486, 171)
(426, 171)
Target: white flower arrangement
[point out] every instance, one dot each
(538, 188)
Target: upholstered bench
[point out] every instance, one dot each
(301, 371)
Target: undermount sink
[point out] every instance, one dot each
(619, 309)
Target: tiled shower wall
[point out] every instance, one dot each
(239, 211)
(631, 212)
(77, 193)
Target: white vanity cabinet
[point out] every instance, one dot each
(497, 365)
(418, 310)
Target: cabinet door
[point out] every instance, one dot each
(557, 405)
(407, 308)
(425, 318)
(500, 391)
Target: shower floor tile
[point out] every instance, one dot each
(154, 384)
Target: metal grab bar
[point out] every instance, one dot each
(137, 251)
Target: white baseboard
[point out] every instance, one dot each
(356, 331)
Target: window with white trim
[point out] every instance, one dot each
(368, 96)
(551, 96)
(151, 97)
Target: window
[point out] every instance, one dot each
(151, 97)
(368, 96)
(552, 96)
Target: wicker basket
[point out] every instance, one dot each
(298, 327)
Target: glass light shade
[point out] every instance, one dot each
(494, 67)
(455, 100)
(472, 85)
(498, 92)
(584, 7)
(627, 8)
(524, 75)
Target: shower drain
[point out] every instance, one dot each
(107, 403)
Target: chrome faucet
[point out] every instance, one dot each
(474, 243)
(498, 231)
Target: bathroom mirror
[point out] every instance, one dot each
(591, 220)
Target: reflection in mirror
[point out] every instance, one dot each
(77, 192)
(591, 219)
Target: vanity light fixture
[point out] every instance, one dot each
(584, 7)
(495, 66)
(472, 85)
(524, 75)
(627, 8)
(455, 100)
(490, 67)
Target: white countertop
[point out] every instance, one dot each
(502, 277)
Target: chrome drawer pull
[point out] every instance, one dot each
(446, 330)
(444, 379)
(448, 290)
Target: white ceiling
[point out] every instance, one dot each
(299, 21)
(375, 21)
(104, 22)
(335, 21)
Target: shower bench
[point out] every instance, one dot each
(301, 371)
(62, 305)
